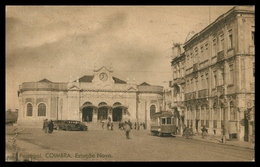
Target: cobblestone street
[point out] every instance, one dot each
(103, 145)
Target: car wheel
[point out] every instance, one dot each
(153, 133)
(68, 128)
(85, 129)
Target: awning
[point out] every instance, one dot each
(120, 106)
(105, 106)
(87, 105)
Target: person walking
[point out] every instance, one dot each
(50, 125)
(127, 128)
(187, 133)
(135, 125)
(222, 133)
(111, 125)
(144, 125)
(203, 130)
(141, 126)
(45, 125)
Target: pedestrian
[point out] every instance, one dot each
(111, 125)
(203, 130)
(119, 125)
(127, 128)
(108, 125)
(103, 123)
(141, 126)
(222, 133)
(184, 129)
(50, 125)
(144, 125)
(45, 125)
(187, 133)
(191, 130)
(135, 125)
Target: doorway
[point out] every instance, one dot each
(102, 113)
(117, 114)
(87, 114)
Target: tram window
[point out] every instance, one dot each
(168, 120)
(163, 121)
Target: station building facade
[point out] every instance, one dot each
(213, 79)
(91, 98)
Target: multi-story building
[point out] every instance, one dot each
(90, 98)
(213, 79)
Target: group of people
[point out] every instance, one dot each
(140, 126)
(188, 132)
(48, 126)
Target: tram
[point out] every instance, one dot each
(163, 123)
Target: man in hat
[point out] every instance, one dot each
(127, 129)
(203, 130)
(45, 125)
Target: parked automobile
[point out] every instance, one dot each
(69, 125)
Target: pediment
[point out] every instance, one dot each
(74, 87)
(102, 69)
(131, 89)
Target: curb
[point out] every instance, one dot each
(229, 144)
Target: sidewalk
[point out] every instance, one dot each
(217, 139)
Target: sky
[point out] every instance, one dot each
(59, 42)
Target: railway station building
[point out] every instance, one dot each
(90, 98)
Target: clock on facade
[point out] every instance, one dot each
(103, 76)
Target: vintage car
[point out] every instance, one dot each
(162, 123)
(69, 125)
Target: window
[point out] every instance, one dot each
(215, 115)
(232, 112)
(207, 81)
(152, 110)
(214, 79)
(191, 85)
(191, 60)
(188, 86)
(222, 77)
(221, 39)
(41, 109)
(168, 120)
(214, 48)
(163, 121)
(253, 34)
(230, 39)
(207, 116)
(202, 82)
(29, 110)
(231, 74)
(253, 68)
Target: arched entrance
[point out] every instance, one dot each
(103, 109)
(87, 111)
(117, 114)
(87, 114)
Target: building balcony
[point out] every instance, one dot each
(191, 96)
(220, 89)
(220, 55)
(195, 67)
(177, 81)
(203, 93)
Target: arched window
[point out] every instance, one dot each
(207, 116)
(29, 110)
(152, 110)
(116, 104)
(41, 109)
(197, 113)
(87, 103)
(102, 103)
(232, 111)
(215, 115)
